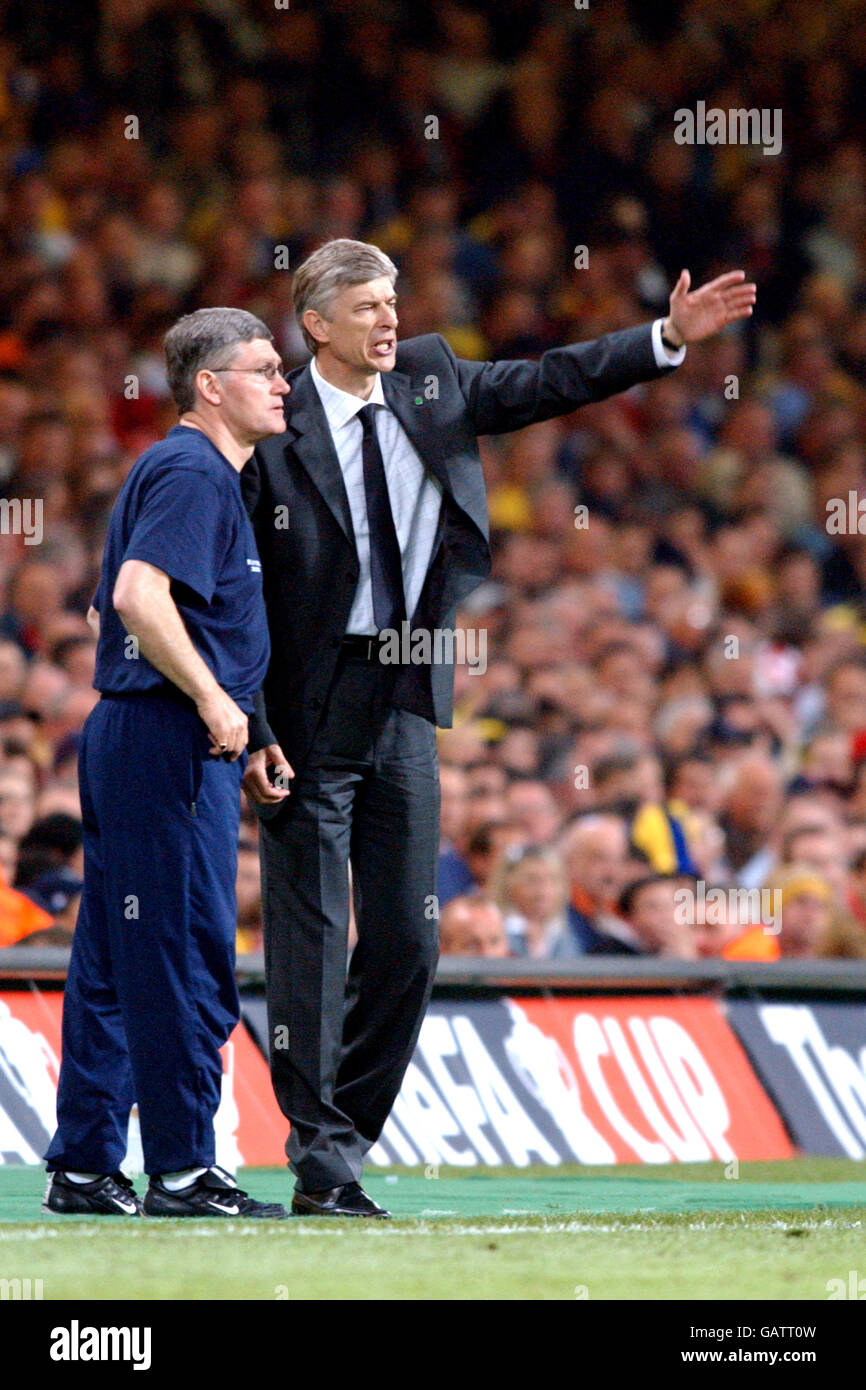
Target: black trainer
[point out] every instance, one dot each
(112, 1195)
(213, 1193)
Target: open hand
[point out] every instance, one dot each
(697, 314)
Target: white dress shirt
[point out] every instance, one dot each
(663, 356)
(415, 495)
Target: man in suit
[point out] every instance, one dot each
(370, 514)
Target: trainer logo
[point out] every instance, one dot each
(77, 1343)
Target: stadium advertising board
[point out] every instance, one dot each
(506, 1081)
(520, 1081)
(812, 1060)
(249, 1127)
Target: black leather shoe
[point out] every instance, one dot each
(348, 1200)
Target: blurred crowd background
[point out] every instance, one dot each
(675, 682)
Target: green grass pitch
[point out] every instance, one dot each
(774, 1231)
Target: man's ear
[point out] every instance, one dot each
(315, 326)
(208, 387)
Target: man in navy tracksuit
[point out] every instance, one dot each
(183, 645)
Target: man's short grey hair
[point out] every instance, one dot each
(336, 264)
(207, 338)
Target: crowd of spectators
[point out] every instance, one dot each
(673, 693)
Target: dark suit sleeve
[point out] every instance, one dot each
(251, 485)
(260, 732)
(261, 735)
(504, 396)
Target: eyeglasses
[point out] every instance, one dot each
(268, 372)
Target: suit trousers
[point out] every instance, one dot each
(341, 1040)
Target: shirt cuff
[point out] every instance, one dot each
(665, 357)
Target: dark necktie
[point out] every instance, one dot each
(386, 573)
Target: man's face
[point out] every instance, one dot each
(474, 929)
(597, 863)
(654, 919)
(846, 694)
(536, 890)
(485, 936)
(697, 785)
(452, 817)
(534, 810)
(251, 405)
(824, 853)
(805, 919)
(755, 799)
(360, 330)
(712, 936)
(16, 805)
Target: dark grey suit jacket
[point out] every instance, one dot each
(294, 491)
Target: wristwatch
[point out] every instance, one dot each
(671, 347)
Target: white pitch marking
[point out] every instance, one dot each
(204, 1229)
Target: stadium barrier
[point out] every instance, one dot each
(603, 1061)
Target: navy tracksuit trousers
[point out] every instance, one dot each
(151, 993)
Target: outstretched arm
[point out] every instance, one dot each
(503, 396)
